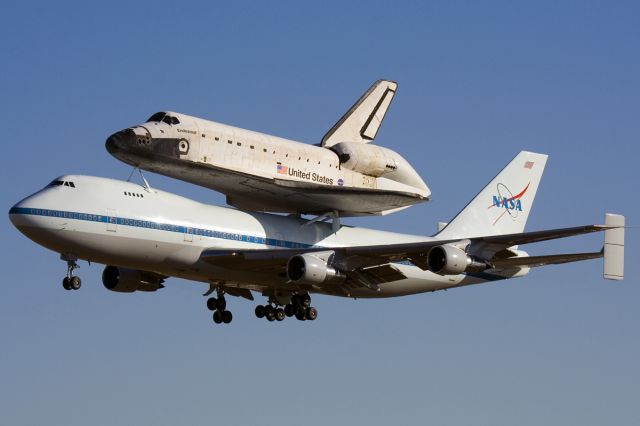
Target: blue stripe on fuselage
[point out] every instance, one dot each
(158, 226)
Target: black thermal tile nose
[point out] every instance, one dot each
(121, 141)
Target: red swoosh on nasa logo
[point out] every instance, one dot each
(515, 197)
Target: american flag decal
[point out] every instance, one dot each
(528, 165)
(282, 169)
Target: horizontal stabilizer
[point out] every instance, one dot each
(553, 259)
(614, 247)
(362, 121)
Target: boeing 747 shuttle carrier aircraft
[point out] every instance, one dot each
(346, 175)
(146, 235)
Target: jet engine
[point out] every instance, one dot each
(450, 260)
(364, 158)
(124, 280)
(312, 269)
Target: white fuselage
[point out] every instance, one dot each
(123, 224)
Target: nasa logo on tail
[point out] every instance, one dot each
(512, 204)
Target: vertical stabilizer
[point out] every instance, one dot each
(503, 206)
(362, 121)
(614, 247)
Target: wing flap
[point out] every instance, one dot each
(372, 276)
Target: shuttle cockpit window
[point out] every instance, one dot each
(169, 119)
(158, 116)
(163, 117)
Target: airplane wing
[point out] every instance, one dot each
(362, 121)
(373, 264)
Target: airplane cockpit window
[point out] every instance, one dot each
(61, 183)
(158, 116)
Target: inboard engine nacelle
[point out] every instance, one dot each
(124, 280)
(313, 269)
(450, 260)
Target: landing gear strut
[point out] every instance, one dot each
(299, 306)
(71, 282)
(219, 306)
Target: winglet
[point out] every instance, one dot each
(614, 247)
(362, 121)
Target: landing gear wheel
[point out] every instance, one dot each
(75, 283)
(280, 315)
(227, 316)
(269, 313)
(221, 304)
(305, 300)
(260, 311)
(312, 313)
(289, 310)
(217, 317)
(65, 283)
(301, 315)
(269, 310)
(212, 303)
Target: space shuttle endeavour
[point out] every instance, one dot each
(345, 174)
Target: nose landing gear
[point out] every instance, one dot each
(71, 282)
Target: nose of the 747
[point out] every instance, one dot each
(12, 214)
(19, 213)
(121, 141)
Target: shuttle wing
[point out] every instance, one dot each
(362, 121)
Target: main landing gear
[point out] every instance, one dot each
(299, 306)
(219, 308)
(71, 282)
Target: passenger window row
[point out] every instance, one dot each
(133, 194)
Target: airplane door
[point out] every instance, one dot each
(112, 220)
(188, 233)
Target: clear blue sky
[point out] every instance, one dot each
(478, 81)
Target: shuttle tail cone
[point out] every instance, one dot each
(614, 247)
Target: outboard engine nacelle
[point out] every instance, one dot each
(451, 260)
(313, 269)
(124, 280)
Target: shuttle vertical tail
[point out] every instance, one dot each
(362, 121)
(503, 206)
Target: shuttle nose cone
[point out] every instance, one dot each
(121, 141)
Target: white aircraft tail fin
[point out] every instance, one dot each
(362, 121)
(503, 206)
(614, 247)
